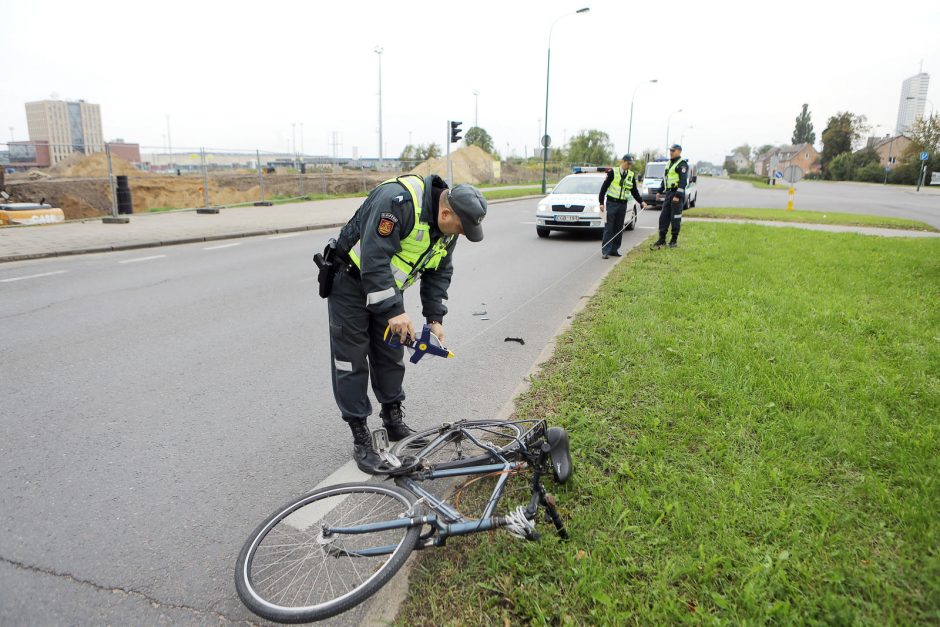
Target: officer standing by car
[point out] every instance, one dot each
(613, 197)
(675, 180)
(404, 231)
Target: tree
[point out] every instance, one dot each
(409, 153)
(730, 166)
(744, 149)
(430, 151)
(760, 151)
(803, 132)
(925, 137)
(842, 131)
(477, 136)
(591, 147)
(421, 152)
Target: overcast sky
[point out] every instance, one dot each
(237, 74)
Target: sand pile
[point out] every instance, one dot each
(470, 164)
(82, 166)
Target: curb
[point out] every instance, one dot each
(386, 603)
(197, 239)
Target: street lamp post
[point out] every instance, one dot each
(476, 107)
(668, 120)
(630, 131)
(378, 50)
(682, 135)
(548, 68)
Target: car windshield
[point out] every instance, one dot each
(655, 170)
(579, 185)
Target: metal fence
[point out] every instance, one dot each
(123, 178)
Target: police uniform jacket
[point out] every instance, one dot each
(387, 216)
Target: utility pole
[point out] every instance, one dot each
(476, 108)
(378, 51)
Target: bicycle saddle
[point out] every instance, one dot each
(557, 439)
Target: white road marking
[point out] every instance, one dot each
(32, 276)
(222, 246)
(142, 259)
(283, 235)
(647, 227)
(306, 517)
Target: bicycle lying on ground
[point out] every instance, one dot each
(331, 549)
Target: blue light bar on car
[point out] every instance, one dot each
(580, 169)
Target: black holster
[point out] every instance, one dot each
(326, 262)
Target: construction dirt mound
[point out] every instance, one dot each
(94, 165)
(470, 164)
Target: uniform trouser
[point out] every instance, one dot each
(616, 213)
(358, 351)
(672, 212)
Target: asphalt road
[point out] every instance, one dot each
(157, 404)
(864, 198)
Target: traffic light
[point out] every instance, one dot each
(455, 132)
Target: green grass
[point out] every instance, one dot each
(512, 193)
(758, 181)
(161, 209)
(755, 425)
(814, 217)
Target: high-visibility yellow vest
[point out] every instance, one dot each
(416, 254)
(621, 185)
(672, 174)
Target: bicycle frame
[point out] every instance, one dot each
(447, 521)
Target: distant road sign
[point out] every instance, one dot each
(778, 175)
(546, 141)
(924, 155)
(793, 174)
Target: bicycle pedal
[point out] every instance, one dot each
(380, 440)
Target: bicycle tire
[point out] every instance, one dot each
(500, 434)
(301, 541)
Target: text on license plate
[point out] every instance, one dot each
(563, 218)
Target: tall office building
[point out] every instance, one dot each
(913, 99)
(67, 126)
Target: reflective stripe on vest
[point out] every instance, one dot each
(621, 185)
(416, 254)
(672, 177)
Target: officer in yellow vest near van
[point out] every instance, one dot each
(673, 190)
(405, 230)
(614, 197)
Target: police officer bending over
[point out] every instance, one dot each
(405, 230)
(613, 196)
(674, 181)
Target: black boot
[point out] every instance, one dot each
(658, 244)
(363, 452)
(392, 418)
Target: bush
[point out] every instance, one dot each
(871, 173)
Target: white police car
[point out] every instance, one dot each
(573, 204)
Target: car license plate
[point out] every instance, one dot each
(564, 218)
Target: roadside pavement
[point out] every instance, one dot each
(831, 228)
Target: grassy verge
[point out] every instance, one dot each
(512, 193)
(814, 217)
(758, 181)
(755, 427)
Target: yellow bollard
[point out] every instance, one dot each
(790, 194)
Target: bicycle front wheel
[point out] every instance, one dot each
(294, 568)
(461, 444)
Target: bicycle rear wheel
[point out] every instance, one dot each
(458, 447)
(290, 571)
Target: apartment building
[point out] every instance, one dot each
(67, 126)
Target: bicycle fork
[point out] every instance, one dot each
(540, 496)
